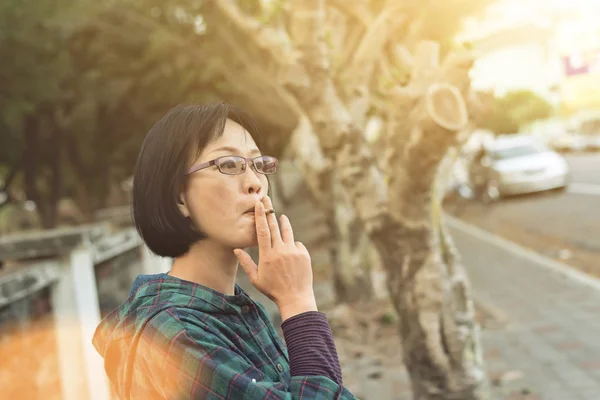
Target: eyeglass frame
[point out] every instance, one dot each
(247, 160)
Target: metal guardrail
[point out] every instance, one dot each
(113, 245)
(28, 276)
(18, 284)
(116, 215)
(113, 212)
(49, 243)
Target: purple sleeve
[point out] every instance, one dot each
(311, 347)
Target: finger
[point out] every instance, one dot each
(247, 263)
(263, 235)
(287, 234)
(301, 246)
(272, 222)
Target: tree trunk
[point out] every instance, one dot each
(431, 293)
(56, 184)
(35, 176)
(94, 195)
(438, 336)
(350, 253)
(351, 249)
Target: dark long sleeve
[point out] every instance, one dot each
(311, 347)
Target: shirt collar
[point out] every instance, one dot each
(209, 295)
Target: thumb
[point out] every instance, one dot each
(247, 263)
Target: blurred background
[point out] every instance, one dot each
(81, 83)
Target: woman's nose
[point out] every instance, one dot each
(252, 181)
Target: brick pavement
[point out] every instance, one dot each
(553, 332)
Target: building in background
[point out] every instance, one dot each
(579, 49)
(549, 47)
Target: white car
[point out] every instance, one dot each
(576, 143)
(517, 165)
(569, 143)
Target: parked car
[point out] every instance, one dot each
(593, 142)
(568, 143)
(516, 165)
(575, 143)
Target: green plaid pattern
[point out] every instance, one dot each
(174, 339)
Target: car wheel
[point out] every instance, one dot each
(491, 192)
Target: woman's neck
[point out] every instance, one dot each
(208, 264)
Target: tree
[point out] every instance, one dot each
(516, 109)
(327, 82)
(83, 82)
(321, 70)
(32, 71)
(333, 79)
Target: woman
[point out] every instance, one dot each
(200, 197)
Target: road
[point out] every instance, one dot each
(585, 167)
(551, 221)
(586, 174)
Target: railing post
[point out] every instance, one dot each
(77, 314)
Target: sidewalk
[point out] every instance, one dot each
(553, 331)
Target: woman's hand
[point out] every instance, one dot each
(284, 272)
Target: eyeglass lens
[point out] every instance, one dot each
(233, 165)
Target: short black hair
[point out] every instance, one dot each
(160, 167)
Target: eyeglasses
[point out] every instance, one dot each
(235, 165)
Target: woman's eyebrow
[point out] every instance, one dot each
(234, 150)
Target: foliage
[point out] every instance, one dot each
(92, 76)
(81, 86)
(516, 109)
(82, 81)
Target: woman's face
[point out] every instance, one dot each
(218, 203)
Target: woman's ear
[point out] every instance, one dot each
(182, 205)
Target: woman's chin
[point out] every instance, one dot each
(246, 240)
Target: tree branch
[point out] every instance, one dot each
(340, 137)
(345, 41)
(428, 114)
(358, 73)
(276, 48)
(274, 41)
(358, 10)
(377, 34)
(307, 29)
(306, 153)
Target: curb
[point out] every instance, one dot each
(536, 258)
(584, 188)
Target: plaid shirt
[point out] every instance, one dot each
(174, 339)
